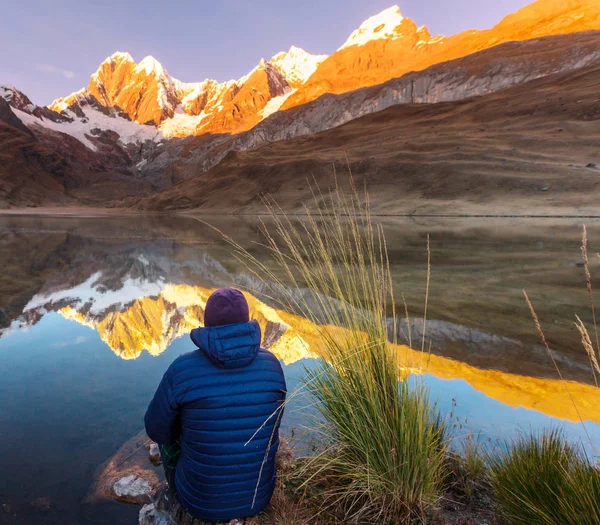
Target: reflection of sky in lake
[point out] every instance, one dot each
(490, 420)
(76, 374)
(68, 404)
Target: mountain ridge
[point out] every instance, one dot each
(407, 47)
(148, 94)
(136, 131)
(386, 45)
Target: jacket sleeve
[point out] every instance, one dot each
(162, 417)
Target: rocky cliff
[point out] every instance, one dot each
(502, 67)
(148, 94)
(389, 45)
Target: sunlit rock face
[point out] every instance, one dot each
(147, 94)
(385, 46)
(389, 45)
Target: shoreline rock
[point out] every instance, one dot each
(130, 476)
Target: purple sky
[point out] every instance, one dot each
(49, 48)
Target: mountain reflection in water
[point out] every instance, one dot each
(73, 288)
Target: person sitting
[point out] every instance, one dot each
(216, 415)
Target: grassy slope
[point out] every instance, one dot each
(520, 151)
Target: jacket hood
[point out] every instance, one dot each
(229, 346)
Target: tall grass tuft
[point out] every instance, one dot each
(541, 479)
(383, 457)
(529, 477)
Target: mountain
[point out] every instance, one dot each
(86, 154)
(499, 68)
(384, 47)
(81, 116)
(389, 45)
(148, 94)
(136, 131)
(528, 149)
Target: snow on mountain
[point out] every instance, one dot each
(62, 103)
(91, 291)
(120, 56)
(381, 26)
(275, 103)
(181, 124)
(296, 65)
(83, 118)
(150, 65)
(83, 129)
(15, 98)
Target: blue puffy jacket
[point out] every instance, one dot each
(214, 400)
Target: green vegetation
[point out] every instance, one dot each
(383, 457)
(530, 476)
(541, 479)
(470, 466)
(384, 454)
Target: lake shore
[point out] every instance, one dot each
(474, 212)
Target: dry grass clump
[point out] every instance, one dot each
(541, 478)
(470, 466)
(383, 444)
(384, 454)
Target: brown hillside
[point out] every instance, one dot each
(528, 149)
(31, 173)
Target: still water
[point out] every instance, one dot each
(92, 311)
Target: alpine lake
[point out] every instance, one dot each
(93, 310)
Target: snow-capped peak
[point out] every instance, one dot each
(15, 98)
(150, 65)
(296, 65)
(119, 56)
(382, 25)
(7, 91)
(62, 103)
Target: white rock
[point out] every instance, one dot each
(149, 515)
(154, 453)
(132, 487)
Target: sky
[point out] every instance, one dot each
(49, 48)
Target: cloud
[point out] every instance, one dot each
(49, 68)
